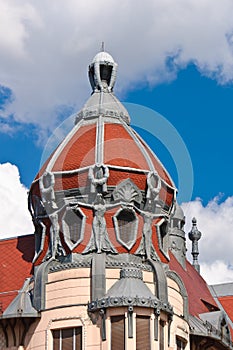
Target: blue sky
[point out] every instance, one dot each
(174, 58)
(198, 107)
(202, 112)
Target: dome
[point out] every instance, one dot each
(102, 57)
(102, 189)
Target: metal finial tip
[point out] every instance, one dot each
(102, 46)
(194, 221)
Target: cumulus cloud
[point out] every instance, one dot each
(217, 272)
(215, 221)
(16, 219)
(48, 44)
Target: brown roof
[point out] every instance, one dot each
(16, 255)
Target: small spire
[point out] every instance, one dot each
(102, 46)
(194, 236)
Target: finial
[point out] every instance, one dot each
(102, 72)
(194, 236)
(194, 221)
(102, 46)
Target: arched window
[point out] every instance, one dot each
(180, 343)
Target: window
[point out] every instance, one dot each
(142, 332)
(105, 72)
(67, 339)
(180, 344)
(126, 224)
(163, 233)
(73, 224)
(161, 335)
(118, 332)
(75, 229)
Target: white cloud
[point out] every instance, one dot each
(46, 46)
(217, 272)
(215, 221)
(16, 219)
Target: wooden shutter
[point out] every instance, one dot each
(180, 344)
(142, 332)
(118, 332)
(78, 338)
(56, 339)
(161, 335)
(67, 339)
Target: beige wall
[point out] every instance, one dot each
(67, 295)
(179, 326)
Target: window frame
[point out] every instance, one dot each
(183, 343)
(74, 337)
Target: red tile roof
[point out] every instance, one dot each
(16, 255)
(227, 304)
(79, 151)
(199, 297)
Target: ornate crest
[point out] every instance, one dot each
(127, 191)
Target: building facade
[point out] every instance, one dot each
(106, 267)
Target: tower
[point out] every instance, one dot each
(109, 268)
(101, 204)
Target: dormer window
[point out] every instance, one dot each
(126, 225)
(73, 224)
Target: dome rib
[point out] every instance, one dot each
(102, 164)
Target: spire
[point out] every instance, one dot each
(194, 236)
(177, 240)
(102, 71)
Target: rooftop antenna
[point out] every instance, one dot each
(102, 46)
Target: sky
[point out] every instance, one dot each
(175, 58)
